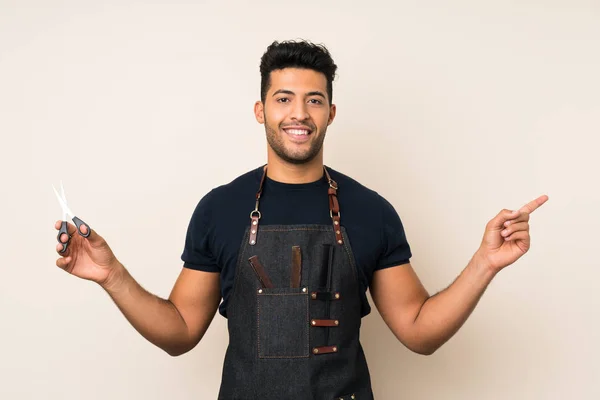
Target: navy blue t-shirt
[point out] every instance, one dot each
(218, 224)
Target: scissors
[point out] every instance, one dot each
(67, 212)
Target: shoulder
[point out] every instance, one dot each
(229, 195)
(364, 205)
(239, 188)
(241, 184)
(351, 189)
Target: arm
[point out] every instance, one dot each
(178, 323)
(424, 323)
(175, 325)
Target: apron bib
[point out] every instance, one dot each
(294, 314)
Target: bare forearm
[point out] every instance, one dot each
(154, 318)
(423, 323)
(442, 315)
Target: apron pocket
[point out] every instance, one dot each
(283, 323)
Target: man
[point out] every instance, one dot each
(291, 248)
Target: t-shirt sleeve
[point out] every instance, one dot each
(395, 247)
(197, 251)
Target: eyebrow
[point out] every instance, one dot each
(313, 93)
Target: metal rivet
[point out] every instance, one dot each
(336, 322)
(313, 322)
(338, 232)
(334, 349)
(352, 397)
(259, 290)
(336, 223)
(337, 295)
(314, 296)
(303, 290)
(254, 222)
(253, 242)
(315, 350)
(253, 231)
(339, 241)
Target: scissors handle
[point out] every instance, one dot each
(63, 229)
(79, 223)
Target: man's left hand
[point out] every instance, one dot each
(506, 237)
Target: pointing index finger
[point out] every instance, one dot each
(534, 204)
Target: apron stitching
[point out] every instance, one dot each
(282, 294)
(325, 229)
(258, 324)
(284, 357)
(351, 259)
(308, 330)
(236, 279)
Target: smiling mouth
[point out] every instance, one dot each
(298, 131)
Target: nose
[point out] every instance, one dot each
(299, 111)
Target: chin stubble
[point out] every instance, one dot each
(279, 148)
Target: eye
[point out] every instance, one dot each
(283, 100)
(315, 101)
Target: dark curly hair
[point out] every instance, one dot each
(296, 54)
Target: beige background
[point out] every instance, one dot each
(451, 110)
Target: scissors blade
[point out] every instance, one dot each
(62, 192)
(63, 204)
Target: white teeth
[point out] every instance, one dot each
(297, 131)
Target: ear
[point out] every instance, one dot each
(259, 112)
(332, 111)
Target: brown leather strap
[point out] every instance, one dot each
(324, 350)
(328, 176)
(253, 228)
(296, 267)
(255, 214)
(324, 322)
(260, 272)
(334, 208)
(262, 182)
(325, 295)
(337, 229)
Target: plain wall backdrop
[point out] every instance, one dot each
(450, 110)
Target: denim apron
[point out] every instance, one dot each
(294, 314)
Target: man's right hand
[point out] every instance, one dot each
(175, 325)
(89, 258)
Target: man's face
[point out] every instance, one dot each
(296, 113)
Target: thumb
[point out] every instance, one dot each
(497, 223)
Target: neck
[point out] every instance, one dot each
(284, 172)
